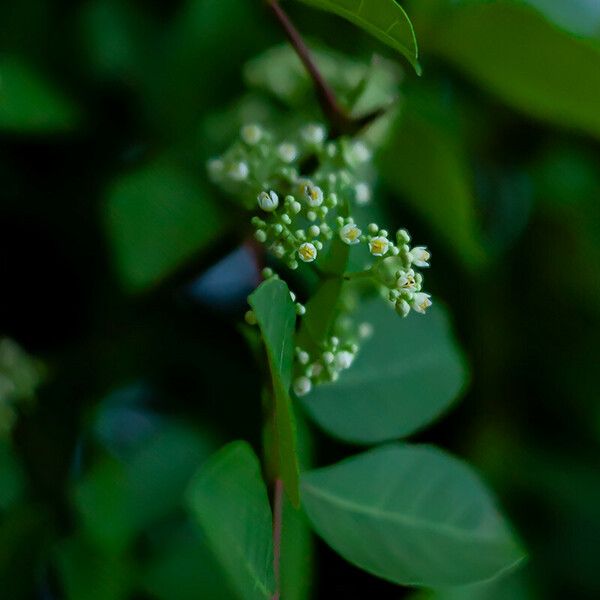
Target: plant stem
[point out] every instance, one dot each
(341, 123)
(277, 528)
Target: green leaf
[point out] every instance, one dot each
(404, 377)
(181, 566)
(410, 514)
(276, 318)
(510, 587)
(229, 499)
(384, 19)
(158, 218)
(513, 51)
(425, 163)
(29, 103)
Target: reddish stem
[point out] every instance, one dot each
(277, 528)
(340, 122)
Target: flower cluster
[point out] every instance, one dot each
(304, 190)
(334, 356)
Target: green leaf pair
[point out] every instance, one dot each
(410, 514)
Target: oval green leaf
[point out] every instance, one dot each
(276, 318)
(229, 499)
(404, 377)
(384, 19)
(412, 515)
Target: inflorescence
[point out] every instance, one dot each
(300, 216)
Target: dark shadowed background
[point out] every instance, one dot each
(109, 110)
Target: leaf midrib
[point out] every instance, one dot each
(409, 521)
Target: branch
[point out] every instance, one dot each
(277, 528)
(341, 123)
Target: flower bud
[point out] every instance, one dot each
(268, 201)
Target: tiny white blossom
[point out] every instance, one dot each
(215, 167)
(314, 370)
(302, 386)
(287, 152)
(307, 252)
(420, 256)
(328, 357)
(360, 152)
(402, 307)
(406, 281)
(303, 357)
(378, 246)
(238, 171)
(314, 231)
(402, 236)
(344, 359)
(365, 330)
(251, 134)
(268, 201)
(278, 250)
(350, 234)
(363, 194)
(313, 134)
(421, 302)
(314, 195)
(260, 236)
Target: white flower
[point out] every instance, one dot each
(302, 386)
(421, 302)
(402, 307)
(268, 201)
(314, 231)
(314, 195)
(363, 194)
(350, 234)
(287, 152)
(365, 330)
(378, 246)
(278, 250)
(313, 134)
(215, 167)
(359, 152)
(301, 184)
(419, 256)
(238, 171)
(307, 252)
(315, 369)
(251, 134)
(303, 357)
(328, 357)
(344, 359)
(406, 281)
